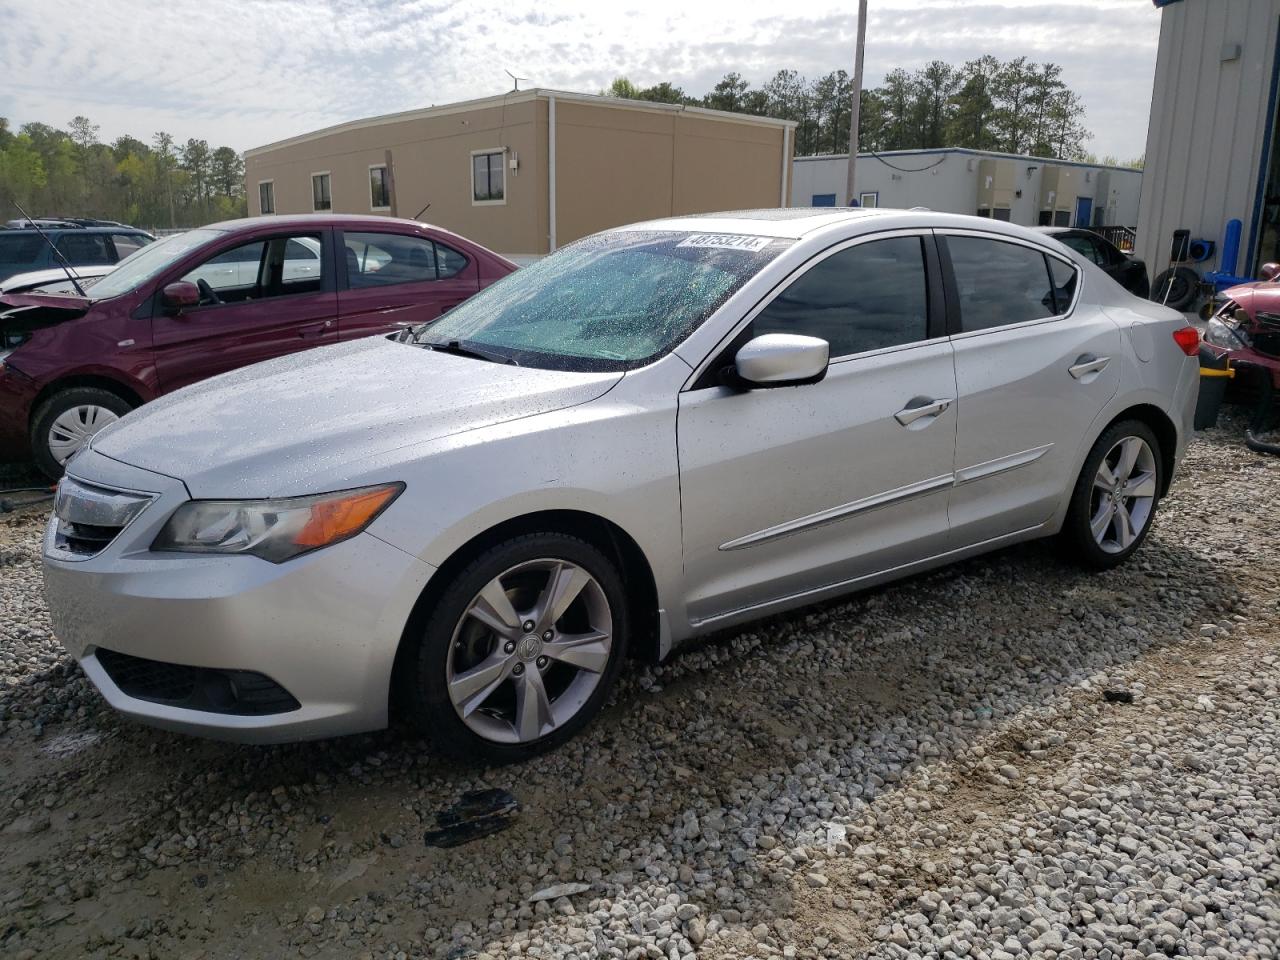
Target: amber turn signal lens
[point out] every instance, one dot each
(343, 515)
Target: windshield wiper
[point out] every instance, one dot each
(457, 349)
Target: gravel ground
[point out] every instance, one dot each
(1007, 758)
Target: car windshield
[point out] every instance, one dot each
(614, 301)
(141, 265)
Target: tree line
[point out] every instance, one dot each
(1013, 106)
(71, 173)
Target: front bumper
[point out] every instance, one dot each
(324, 627)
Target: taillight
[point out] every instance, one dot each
(1188, 340)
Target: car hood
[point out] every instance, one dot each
(1255, 296)
(320, 417)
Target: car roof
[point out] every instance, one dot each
(795, 223)
(73, 228)
(314, 220)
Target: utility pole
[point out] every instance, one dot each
(857, 98)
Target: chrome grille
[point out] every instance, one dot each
(87, 518)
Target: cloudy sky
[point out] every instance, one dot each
(247, 72)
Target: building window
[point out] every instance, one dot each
(321, 199)
(824, 200)
(379, 188)
(869, 199)
(266, 197)
(488, 176)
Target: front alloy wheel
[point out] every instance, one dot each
(521, 649)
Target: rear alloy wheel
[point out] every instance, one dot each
(1116, 496)
(522, 649)
(67, 421)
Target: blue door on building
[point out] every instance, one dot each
(1084, 211)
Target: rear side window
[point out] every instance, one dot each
(999, 283)
(24, 248)
(864, 298)
(451, 261)
(381, 259)
(86, 248)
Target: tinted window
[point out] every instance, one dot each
(487, 178)
(296, 250)
(379, 259)
(1083, 244)
(379, 189)
(866, 297)
(127, 243)
(451, 261)
(22, 248)
(246, 253)
(1065, 278)
(267, 197)
(999, 283)
(86, 248)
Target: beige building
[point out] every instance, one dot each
(530, 171)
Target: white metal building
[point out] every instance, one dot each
(1211, 154)
(1005, 186)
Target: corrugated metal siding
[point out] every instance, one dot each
(1205, 141)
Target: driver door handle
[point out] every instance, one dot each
(1086, 364)
(314, 329)
(919, 408)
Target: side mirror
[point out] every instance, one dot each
(781, 360)
(1269, 272)
(179, 295)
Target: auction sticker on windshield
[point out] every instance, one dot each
(725, 241)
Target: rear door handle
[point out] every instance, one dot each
(919, 408)
(315, 329)
(1086, 364)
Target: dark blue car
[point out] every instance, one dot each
(24, 250)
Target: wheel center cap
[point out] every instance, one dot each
(529, 648)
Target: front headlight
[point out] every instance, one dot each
(1221, 334)
(275, 530)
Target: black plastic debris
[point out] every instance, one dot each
(477, 814)
(1117, 696)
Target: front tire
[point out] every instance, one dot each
(521, 649)
(1116, 496)
(66, 421)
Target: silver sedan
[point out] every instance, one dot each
(661, 430)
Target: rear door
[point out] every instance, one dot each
(395, 280)
(1033, 371)
(253, 308)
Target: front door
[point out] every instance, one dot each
(792, 489)
(261, 299)
(1033, 373)
(396, 280)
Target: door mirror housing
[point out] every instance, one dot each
(179, 295)
(780, 360)
(1269, 272)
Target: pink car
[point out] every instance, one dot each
(207, 301)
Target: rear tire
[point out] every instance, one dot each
(1116, 496)
(67, 420)
(520, 651)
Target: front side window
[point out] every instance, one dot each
(84, 249)
(379, 189)
(999, 283)
(267, 197)
(488, 177)
(320, 196)
(260, 269)
(614, 301)
(866, 297)
(381, 259)
(128, 243)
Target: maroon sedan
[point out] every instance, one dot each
(203, 302)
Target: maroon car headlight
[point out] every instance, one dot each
(275, 530)
(1222, 334)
